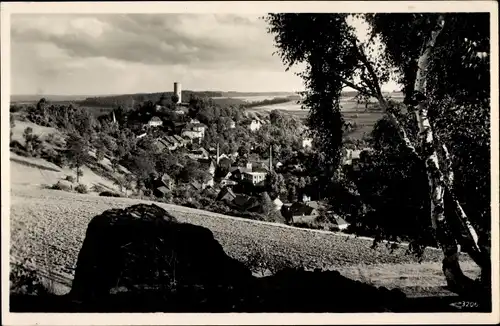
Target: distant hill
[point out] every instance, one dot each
(249, 94)
(52, 98)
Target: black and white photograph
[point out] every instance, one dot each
(202, 160)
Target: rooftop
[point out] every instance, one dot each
(256, 173)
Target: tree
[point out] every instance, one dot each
(77, 153)
(268, 211)
(129, 180)
(33, 142)
(275, 184)
(418, 47)
(120, 182)
(175, 98)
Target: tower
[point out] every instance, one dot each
(178, 91)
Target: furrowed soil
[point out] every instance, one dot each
(48, 228)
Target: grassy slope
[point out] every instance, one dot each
(24, 171)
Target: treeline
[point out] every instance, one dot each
(276, 100)
(128, 100)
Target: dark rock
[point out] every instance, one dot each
(144, 248)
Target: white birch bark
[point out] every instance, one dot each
(430, 157)
(455, 278)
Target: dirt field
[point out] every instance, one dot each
(48, 228)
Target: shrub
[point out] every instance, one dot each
(70, 178)
(26, 281)
(61, 186)
(109, 194)
(81, 188)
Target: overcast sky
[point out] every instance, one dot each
(68, 54)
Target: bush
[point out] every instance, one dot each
(70, 178)
(81, 188)
(109, 194)
(61, 186)
(26, 281)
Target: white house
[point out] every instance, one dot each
(256, 178)
(232, 124)
(199, 127)
(255, 125)
(192, 134)
(142, 135)
(155, 122)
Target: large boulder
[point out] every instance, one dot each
(144, 248)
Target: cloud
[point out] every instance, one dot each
(105, 53)
(158, 39)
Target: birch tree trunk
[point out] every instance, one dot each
(443, 234)
(470, 238)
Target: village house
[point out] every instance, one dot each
(228, 182)
(355, 158)
(245, 203)
(256, 178)
(163, 186)
(238, 171)
(255, 125)
(197, 154)
(193, 134)
(232, 124)
(207, 165)
(300, 213)
(226, 195)
(339, 223)
(155, 122)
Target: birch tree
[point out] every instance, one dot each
(402, 47)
